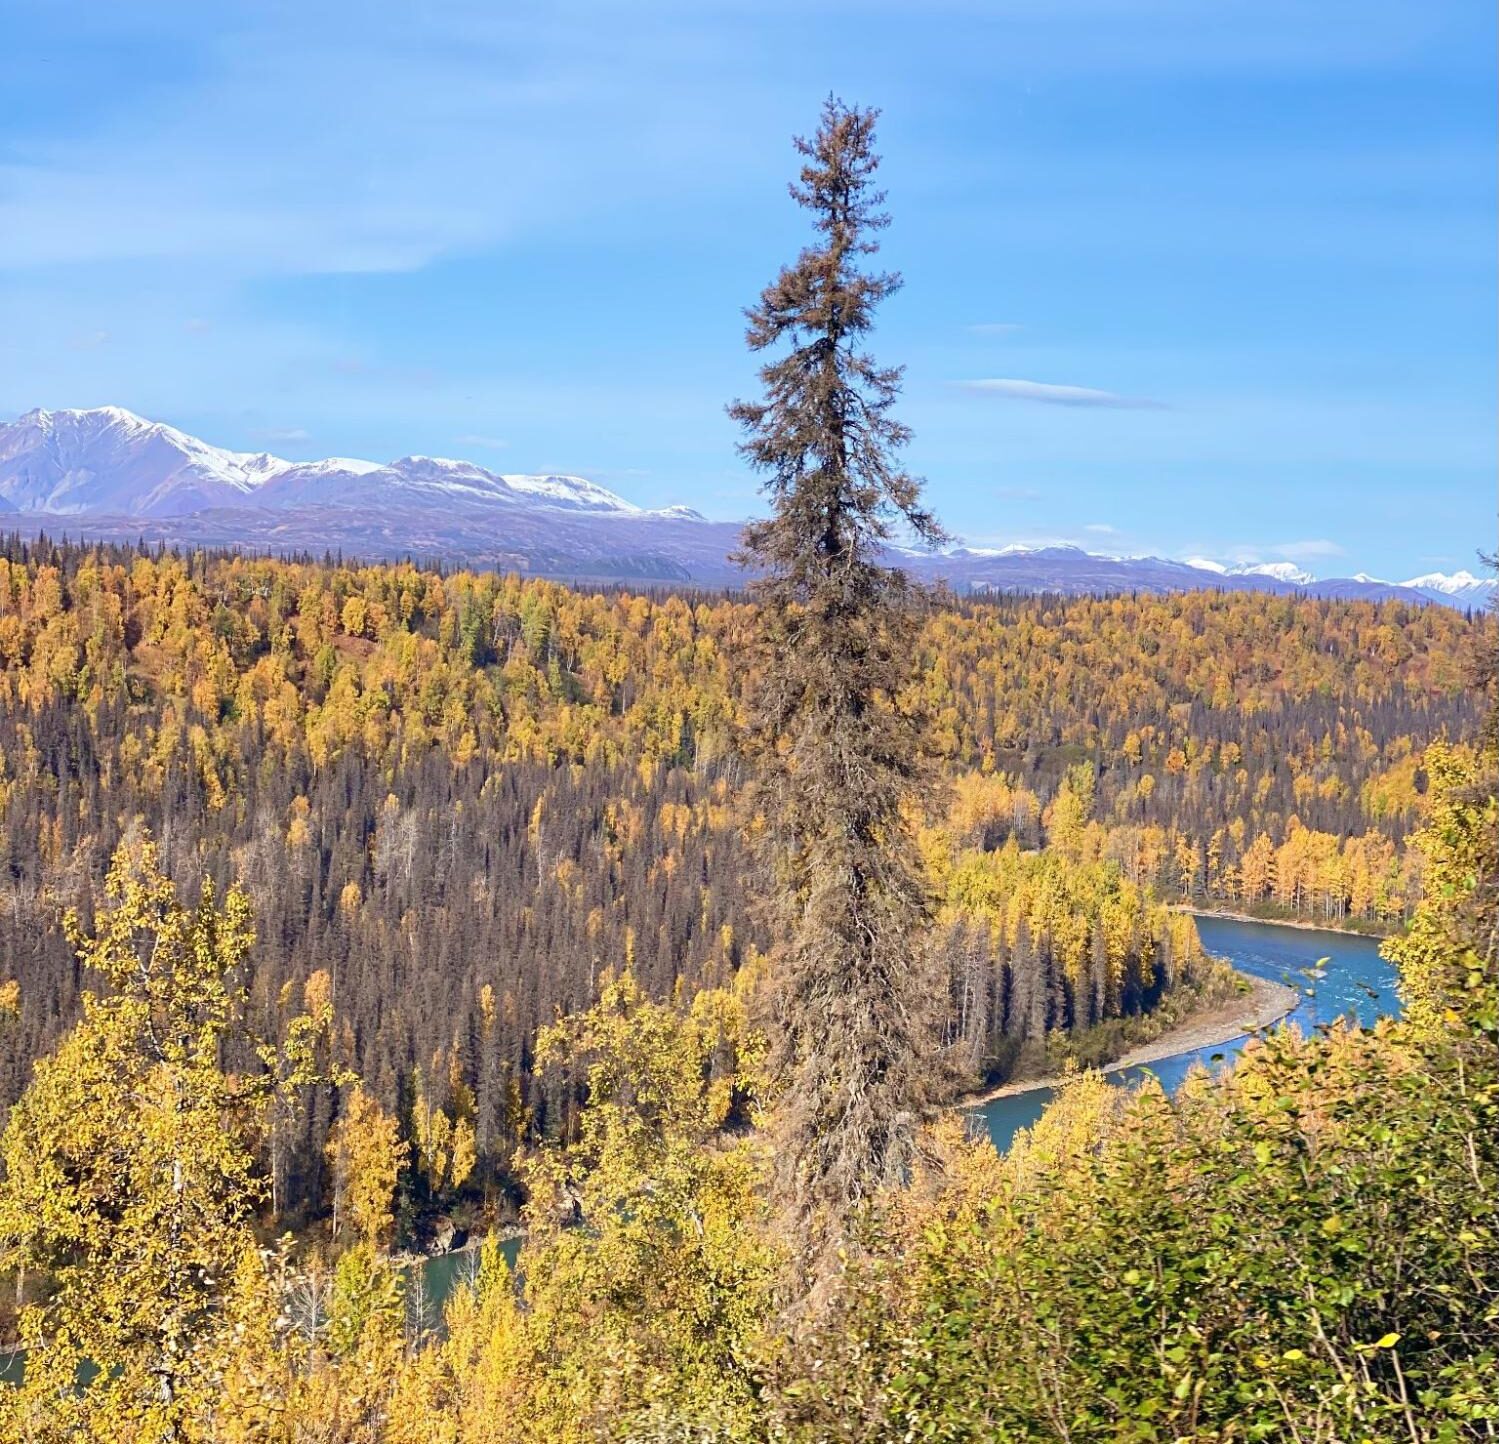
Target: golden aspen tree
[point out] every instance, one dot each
(127, 1177)
(129, 1173)
(366, 1154)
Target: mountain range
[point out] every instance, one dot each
(108, 474)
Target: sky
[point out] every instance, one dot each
(1183, 279)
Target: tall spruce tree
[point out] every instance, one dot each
(838, 759)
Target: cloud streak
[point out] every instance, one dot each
(1300, 551)
(1045, 393)
(1244, 554)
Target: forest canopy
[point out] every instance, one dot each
(466, 797)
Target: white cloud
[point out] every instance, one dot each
(490, 443)
(1048, 394)
(1102, 528)
(1248, 555)
(278, 435)
(1297, 551)
(351, 138)
(995, 328)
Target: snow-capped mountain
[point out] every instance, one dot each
(111, 461)
(1281, 571)
(1070, 569)
(343, 482)
(1460, 588)
(111, 475)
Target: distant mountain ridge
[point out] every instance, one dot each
(109, 474)
(111, 461)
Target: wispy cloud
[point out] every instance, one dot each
(1249, 554)
(1300, 551)
(89, 341)
(995, 328)
(1102, 528)
(1017, 493)
(1047, 394)
(489, 443)
(279, 435)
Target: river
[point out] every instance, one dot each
(1356, 981)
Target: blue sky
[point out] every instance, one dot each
(1252, 241)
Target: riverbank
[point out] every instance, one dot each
(1354, 928)
(1265, 1003)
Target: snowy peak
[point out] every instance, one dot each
(569, 491)
(1281, 571)
(1019, 549)
(1449, 582)
(107, 460)
(1460, 587)
(1287, 572)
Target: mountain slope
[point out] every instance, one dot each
(1458, 589)
(109, 460)
(109, 474)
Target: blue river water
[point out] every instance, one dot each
(1354, 981)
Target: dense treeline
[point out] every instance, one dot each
(1037, 945)
(463, 797)
(1197, 709)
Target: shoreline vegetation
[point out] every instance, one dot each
(1263, 1004)
(1218, 1020)
(1348, 926)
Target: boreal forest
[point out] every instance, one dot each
(463, 799)
(653, 942)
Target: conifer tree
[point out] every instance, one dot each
(837, 756)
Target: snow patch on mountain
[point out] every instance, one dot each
(109, 460)
(571, 490)
(1461, 587)
(1281, 571)
(1450, 583)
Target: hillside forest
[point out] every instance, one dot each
(462, 801)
